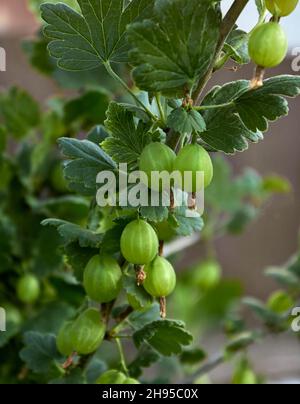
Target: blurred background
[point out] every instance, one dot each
(273, 237)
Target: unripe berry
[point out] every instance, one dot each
(268, 45)
(207, 275)
(102, 279)
(28, 289)
(160, 278)
(156, 157)
(111, 377)
(281, 8)
(87, 332)
(139, 242)
(115, 377)
(64, 341)
(194, 158)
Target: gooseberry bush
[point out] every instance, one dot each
(80, 280)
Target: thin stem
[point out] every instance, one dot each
(114, 75)
(181, 141)
(122, 336)
(122, 356)
(205, 107)
(160, 108)
(123, 321)
(227, 26)
(213, 363)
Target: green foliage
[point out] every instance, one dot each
(126, 141)
(40, 352)
(167, 337)
(266, 104)
(87, 160)
(89, 109)
(161, 53)
(98, 35)
(183, 121)
(19, 112)
(169, 55)
(71, 233)
(136, 294)
(236, 46)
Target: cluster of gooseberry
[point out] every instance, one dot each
(139, 245)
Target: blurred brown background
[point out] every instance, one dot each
(270, 240)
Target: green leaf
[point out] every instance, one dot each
(2, 140)
(140, 319)
(262, 311)
(241, 341)
(241, 218)
(236, 46)
(50, 318)
(97, 134)
(136, 292)
(38, 55)
(192, 356)
(127, 139)
(257, 107)
(225, 130)
(11, 331)
(36, 4)
(75, 376)
(154, 213)
(137, 111)
(167, 337)
(69, 207)
(249, 183)
(294, 266)
(183, 121)
(276, 184)
(187, 225)
(19, 111)
(228, 194)
(87, 160)
(98, 35)
(222, 193)
(261, 6)
(89, 109)
(144, 359)
(40, 352)
(37, 52)
(283, 276)
(78, 257)
(95, 368)
(46, 257)
(71, 232)
(111, 239)
(173, 51)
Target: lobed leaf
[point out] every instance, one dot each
(127, 140)
(71, 232)
(173, 50)
(167, 337)
(97, 35)
(39, 353)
